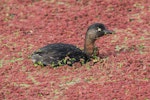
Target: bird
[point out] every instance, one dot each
(58, 54)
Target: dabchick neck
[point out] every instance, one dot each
(89, 46)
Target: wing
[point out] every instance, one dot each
(58, 53)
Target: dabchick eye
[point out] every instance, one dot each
(99, 29)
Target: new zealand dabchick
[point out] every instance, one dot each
(60, 54)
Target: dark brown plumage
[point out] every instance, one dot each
(59, 54)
